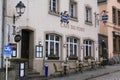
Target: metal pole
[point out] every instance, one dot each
(6, 68)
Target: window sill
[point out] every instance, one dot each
(74, 19)
(54, 13)
(88, 23)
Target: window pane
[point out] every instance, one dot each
(57, 38)
(68, 39)
(46, 49)
(75, 40)
(86, 50)
(51, 47)
(57, 49)
(51, 37)
(75, 50)
(47, 37)
(71, 48)
(67, 49)
(71, 39)
(90, 51)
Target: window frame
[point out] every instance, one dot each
(88, 46)
(39, 51)
(114, 15)
(54, 4)
(88, 14)
(73, 10)
(55, 42)
(73, 46)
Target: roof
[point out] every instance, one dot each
(101, 1)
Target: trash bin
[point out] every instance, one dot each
(46, 70)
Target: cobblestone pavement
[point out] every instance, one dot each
(110, 71)
(111, 76)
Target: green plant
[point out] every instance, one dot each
(53, 57)
(73, 57)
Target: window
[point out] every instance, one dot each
(119, 17)
(53, 46)
(72, 46)
(54, 6)
(114, 15)
(88, 48)
(73, 9)
(39, 51)
(88, 15)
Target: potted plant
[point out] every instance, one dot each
(72, 57)
(53, 57)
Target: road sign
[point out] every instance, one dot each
(7, 51)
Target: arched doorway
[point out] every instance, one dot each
(27, 46)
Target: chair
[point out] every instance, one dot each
(73, 67)
(99, 63)
(58, 70)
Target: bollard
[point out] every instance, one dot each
(46, 71)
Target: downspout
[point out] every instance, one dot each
(2, 32)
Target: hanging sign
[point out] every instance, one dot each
(17, 38)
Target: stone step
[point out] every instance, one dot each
(32, 74)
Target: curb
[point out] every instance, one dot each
(95, 76)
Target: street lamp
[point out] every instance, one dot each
(20, 9)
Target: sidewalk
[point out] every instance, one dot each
(90, 73)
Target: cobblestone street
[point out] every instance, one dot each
(111, 76)
(108, 73)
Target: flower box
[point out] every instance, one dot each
(53, 58)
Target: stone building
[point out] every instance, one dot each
(109, 32)
(46, 39)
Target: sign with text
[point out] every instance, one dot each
(7, 51)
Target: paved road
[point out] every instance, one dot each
(111, 76)
(110, 72)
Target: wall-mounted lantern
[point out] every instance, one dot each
(20, 9)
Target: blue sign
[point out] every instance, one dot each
(64, 18)
(105, 17)
(7, 51)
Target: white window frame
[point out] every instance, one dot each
(54, 41)
(52, 6)
(88, 15)
(73, 10)
(89, 46)
(73, 44)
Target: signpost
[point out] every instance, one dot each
(7, 55)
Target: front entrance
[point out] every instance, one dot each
(27, 48)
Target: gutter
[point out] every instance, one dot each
(2, 31)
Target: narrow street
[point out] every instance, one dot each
(111, 76)
(111, 72)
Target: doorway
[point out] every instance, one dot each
(27, 46)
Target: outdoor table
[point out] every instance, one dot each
(80, 66)
(65, 65)
(92, 64)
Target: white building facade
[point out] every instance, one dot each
(40, 25)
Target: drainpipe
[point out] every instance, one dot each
(2, 31)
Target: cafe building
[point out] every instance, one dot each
(53, 31)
